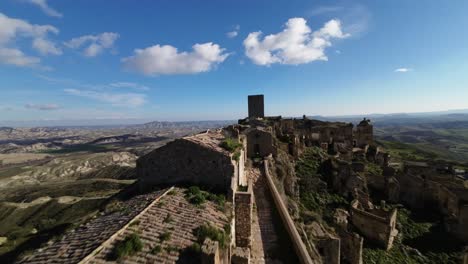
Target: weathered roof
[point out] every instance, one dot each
(210, 139)
(78, 243)
(184, 219)
(149, 216)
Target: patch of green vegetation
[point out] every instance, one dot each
(242, 188)
(128, 247)
(171, 248)
(165, 236)
(421, 232)
(405, 151)
(208, 231)
(156, 250)
(198, 197)
(408, 227)
(318, 201)
(168, 219)
(230, 144)
(171, 192)
(9, 172)
(373, 168)
(236, 156)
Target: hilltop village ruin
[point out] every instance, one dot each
(253, 164)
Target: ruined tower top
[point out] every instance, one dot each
(256, 107)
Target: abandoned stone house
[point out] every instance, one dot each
(197, 159)
(375, 224)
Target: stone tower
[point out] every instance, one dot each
(256, 106)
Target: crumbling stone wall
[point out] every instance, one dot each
(329, 249)
(210, 252)
(243, 213)
(351, 247)
(377, 225)
(183, 161)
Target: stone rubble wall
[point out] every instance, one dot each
(243, 214)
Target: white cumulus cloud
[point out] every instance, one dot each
(116, 99)
(12, 29)
(93, 44)
(42, 4)
(296, 44)
(403, 70)
(166, 59)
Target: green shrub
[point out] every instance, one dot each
(219, 199)
(128, 247)
(236, 156)
(165, 236)
(197, 199)
(168, 219)
(170, 248)
(230, 144)
(156, 250)
(208, 231)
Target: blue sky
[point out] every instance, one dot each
(198, 60)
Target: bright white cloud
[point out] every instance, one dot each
(403, 70)
(234, 33)
(42, 4)
(12, 29)
(45, 107)
(116, 99)
(166, 59)
(296, 44)
(94, 44)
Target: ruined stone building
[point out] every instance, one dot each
(426, 186)
(378, 225)
(196, 160)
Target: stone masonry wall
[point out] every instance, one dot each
(379, 229)
(183, 161)
(243, 214)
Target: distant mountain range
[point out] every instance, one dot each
(377, 119)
